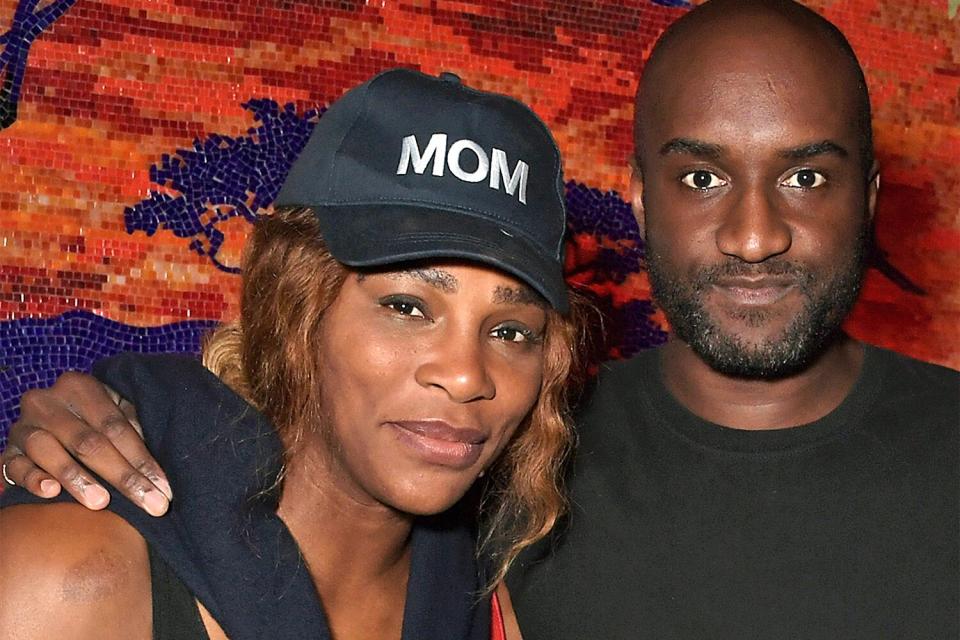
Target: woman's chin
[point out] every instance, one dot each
(418, 498)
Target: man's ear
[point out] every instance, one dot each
(636, 197)
(873, 186)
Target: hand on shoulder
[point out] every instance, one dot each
(72, 573)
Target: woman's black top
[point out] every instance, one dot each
(175, 612)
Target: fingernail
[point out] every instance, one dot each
(155, 503)
(96, 496)
(163, 485)
(49, 488)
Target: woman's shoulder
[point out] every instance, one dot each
(70, 572)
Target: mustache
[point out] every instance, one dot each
(785, 269)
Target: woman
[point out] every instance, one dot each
(401, 334)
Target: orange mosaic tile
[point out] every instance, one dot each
(108, 239)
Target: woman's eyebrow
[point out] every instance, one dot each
(436, 278)
(518, 295)
(447, 283)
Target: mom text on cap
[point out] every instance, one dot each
(514, 182)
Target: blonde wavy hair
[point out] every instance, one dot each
(269, 357)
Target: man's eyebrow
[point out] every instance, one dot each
(436, 278)
(692, 147)
(824, 147)
(518, 295)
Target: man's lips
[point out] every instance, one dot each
(438, 442)
(755, 291)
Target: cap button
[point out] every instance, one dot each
(448, 76)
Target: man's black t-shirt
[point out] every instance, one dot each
(848, 527)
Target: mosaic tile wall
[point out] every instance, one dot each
(139, 137)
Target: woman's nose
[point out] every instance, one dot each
(458, 366)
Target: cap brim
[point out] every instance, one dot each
(406, 233)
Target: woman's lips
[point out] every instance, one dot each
(438, 442)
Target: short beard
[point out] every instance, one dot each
(829, 298)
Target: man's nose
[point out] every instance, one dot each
(753, 229)
(458, 365)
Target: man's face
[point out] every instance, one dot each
(755, 204)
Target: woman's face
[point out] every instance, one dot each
(427, 372)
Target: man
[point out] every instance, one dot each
(762, 475)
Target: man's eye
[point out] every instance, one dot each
(403, 307)
(512, 334)
(702, 180)
(804, 179)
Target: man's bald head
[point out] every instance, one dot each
(776, 32)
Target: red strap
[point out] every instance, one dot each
(497, 630)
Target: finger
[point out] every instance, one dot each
(120, 426)
(135, 450)
(19, 471)
(130, 413)
(63, 470)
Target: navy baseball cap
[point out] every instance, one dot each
(408, 167)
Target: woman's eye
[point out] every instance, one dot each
(512, 334)
(702, 180)
(403, 307)
(804, 179)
